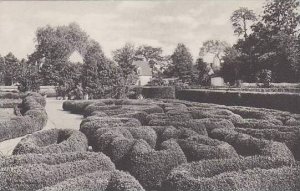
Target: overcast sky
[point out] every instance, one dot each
(113, 23)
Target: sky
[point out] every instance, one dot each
(113, 23)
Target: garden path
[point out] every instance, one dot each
(57, 118)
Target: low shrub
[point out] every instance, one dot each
(100, 180)
(32, 117)
(159, 92)
(214, 123)
(291, 139)
(247, 145)
(200, 147)
(200, 113)
(99, 107)
(52, 141)
(10, 95)
(77, 106)
(139, 115)
(9, 103)
(189, 124)
(151, 167)
(250, 173)
(41, 174)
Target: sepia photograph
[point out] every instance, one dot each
(141, 95)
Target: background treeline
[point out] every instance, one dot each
(267, 50)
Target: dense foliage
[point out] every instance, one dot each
(273, 44)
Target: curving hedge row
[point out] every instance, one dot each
(247, 145)
(52, 141)
(250, 173)
(151, 167)
(77, 106)
(100, 180)
(33, 118)
(199, 147)
(50, 169)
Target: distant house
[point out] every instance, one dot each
(144, 72)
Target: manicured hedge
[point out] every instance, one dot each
(33, 117)
(200, 113)
(283, 101)
(77, 106)
(100, 107)
(139, 115)
(52, 141)
(247, 145)
(100, 180)
(200, 147)
(10, 95)
(9, 103)
(151, 167)
(190, 124)
(250, 173)
(291, 139)
(159, 92)
(37, 175)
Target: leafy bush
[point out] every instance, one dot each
(200, 147)
(247, 145)
(156, 92)
(100, 180)
(151, 167)
(52, 141)
(49, 169)
(257, 173)
(33, 118)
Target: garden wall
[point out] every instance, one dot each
(272, 100)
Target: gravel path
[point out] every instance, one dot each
(57, 118)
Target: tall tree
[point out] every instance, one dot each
(282, 16)
(124, 57)
(153, 55)
(12, 69)
(201, 72)
(241, 20)
(215, 48)
(181, 63)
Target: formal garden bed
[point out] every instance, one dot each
(157, 145)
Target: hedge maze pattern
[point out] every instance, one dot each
(174, 145)
(157, 145)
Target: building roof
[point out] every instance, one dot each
(143, 68)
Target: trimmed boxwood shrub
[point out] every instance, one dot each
(291, 139)
(10, 95)
(38, 175)
(9, 103)
(247, 145)
(200, 113)
(33, 117)
(200, 147)
(78, 106)
(251, 173)
(159, 92)
(47, 158)
(100, 180)
(52, 141)
(151, 167)
(100, 107)
(282, 101)
(139, 115)
(214, 123)
(189, 124)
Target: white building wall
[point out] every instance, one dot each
(143, 80)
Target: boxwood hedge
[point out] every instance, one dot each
(37, 174)
(33, 117)
(52, 141)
